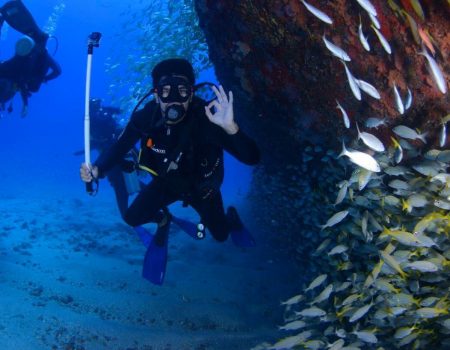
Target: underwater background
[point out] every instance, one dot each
(70, 268)
(348, 102)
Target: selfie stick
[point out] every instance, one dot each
(93, 41)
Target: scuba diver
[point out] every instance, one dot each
(123, 177)
(182, 139)
(31, 64)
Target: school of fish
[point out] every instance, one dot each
(387, 243)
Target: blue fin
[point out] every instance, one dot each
(243, 238)
(145, 236)
(155, 261)
(240, 236)
(190, 228)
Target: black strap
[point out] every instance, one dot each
(175, 156)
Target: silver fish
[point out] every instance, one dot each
(375, 122)
(397, 170)
(336, 50)
(287, 343)
(422, 266)
(294, 300)
(370, 140)
(446, 323)
(361, 159)
(430, 312)
(292, 326)
(417, 200)
(436, 72)
(409, 99)
(440, 203)
(311, 312)
(342, 193)
(408, 133)
(316, 282)
(367, 5)
(364, 178)
(319, 14)
(350, 299)
(344, 115)
(425, 241)
(341, 333)
(403, 332)
(335, 219)
(443, 178)
(398, 153)
(324, 295)
(337, 345)
(343, 286)
(375, 21)
(351, 81)
(398, 184)
(360, 313)
(362, 38)
(322, 246)
(375, 223)
(444, 156)
(368, 88)
(339, 249)
(428, 168)
(364, 223)
(443, 135)
(398, 100)
(383, 40)
(366, 336)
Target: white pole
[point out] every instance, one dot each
(87, 129)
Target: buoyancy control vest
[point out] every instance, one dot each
(181, 149)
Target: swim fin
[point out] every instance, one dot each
(196, 231)
(155, 260)
(145, 236)
(240, 236)
(19, 17)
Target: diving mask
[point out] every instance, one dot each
(174, 89)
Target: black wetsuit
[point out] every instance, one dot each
(30, 71)
(26, 73)
(196, 146)
(104, 133)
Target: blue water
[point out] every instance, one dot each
(53, 128)
(46, 214)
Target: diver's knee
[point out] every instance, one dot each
(130, 219)
(219, 235)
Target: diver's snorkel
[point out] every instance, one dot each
(93, 41)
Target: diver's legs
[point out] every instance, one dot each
(212, 215)
(147, 206)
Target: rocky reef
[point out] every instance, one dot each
(272, 55)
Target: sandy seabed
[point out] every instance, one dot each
(70, 275)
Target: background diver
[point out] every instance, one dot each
(105, 129)
(31, 64)
(182, 139)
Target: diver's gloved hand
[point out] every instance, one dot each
(223, 114)
(88, 173)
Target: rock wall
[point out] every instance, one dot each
(286, 82)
